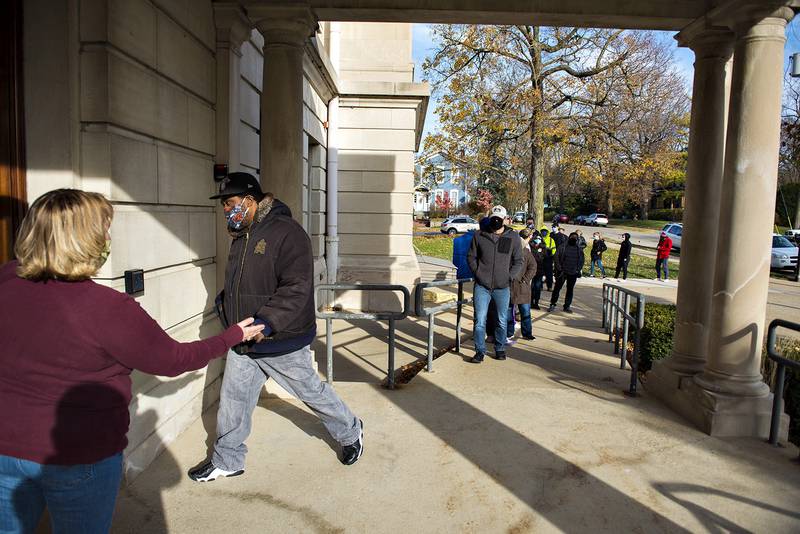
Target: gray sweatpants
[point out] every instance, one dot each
(241, 386)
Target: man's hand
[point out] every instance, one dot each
(258, 338)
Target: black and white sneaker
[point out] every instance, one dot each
(351, 453)
(208, 472)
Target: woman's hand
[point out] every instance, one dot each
(249, 332)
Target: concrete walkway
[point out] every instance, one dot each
(542, 442)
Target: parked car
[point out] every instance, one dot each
(792, 234)
(519, 217)
(561, 218)
(674, 231)
(580, 219)
(784, 253)
(596, 219)
(459, 224)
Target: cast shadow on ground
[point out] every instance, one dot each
(714, 522)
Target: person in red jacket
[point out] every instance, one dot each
(662, 256)
(67, 352)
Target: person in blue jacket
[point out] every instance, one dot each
(460, 248)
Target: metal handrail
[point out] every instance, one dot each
(390, 316)
(780, 374)
(616, 308)
(421, 311)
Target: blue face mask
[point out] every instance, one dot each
(236, 216)
(537, 240)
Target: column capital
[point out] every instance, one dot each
(284, 24)
(232, 25)
(707, 42)
(754, 18)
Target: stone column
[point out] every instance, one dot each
(712, 49)
(285, 30)
(733, 398)
(232, 29)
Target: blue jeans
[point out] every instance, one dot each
(80, 498)
(599, 262)
(525, 319)
(482, 297)
(662, 264)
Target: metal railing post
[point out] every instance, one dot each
(638, 347)
(777, 405)
(605, 292)
(390, 373)
(329, 350)
(625, 324)
(459, 311)
(431, 325)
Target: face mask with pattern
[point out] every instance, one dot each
(106, 251)
(237, 216)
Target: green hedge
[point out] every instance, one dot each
(674, 215)
(659, 324)
(789, 348)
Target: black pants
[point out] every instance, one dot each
(548, 271)
(570, 279)
(622, 264)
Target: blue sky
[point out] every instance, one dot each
(423, 46)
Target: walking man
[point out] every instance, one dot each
(624, 256)
(495, 256)
(568, 265)
(269, 276)
(662, 256)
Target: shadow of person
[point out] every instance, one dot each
(141, 506)
(307, 422)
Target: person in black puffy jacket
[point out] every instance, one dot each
(568, 266)
(624, 256)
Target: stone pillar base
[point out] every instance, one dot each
(716, 414)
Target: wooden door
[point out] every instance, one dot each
(12, 134)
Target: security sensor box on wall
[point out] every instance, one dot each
(134, 282)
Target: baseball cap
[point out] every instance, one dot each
(238, 184)
(498, 211)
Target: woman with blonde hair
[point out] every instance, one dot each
(68, 348)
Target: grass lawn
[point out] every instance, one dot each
(639, 266)
(630, 223)
(440, 246)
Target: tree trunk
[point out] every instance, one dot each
(796, 220)
(610, 201)
(536, 176)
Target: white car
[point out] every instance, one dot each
(596, 219)
(459, 224)
(784, 253)
(674, 231)
(792, 234)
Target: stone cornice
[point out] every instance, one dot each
(232, 25)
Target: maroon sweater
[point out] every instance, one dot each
(67, 350)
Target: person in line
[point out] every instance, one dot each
(69, 346)
(549, 247)
(530, 223)
(269, 277)
(495, 257)
(460, 249)
(624, 256)
(560, 236)
(581, 240)
(596, 254)
(537, 249)
(521, 286)
(568, 266)
(662, 256)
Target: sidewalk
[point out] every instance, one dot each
(542, 442)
